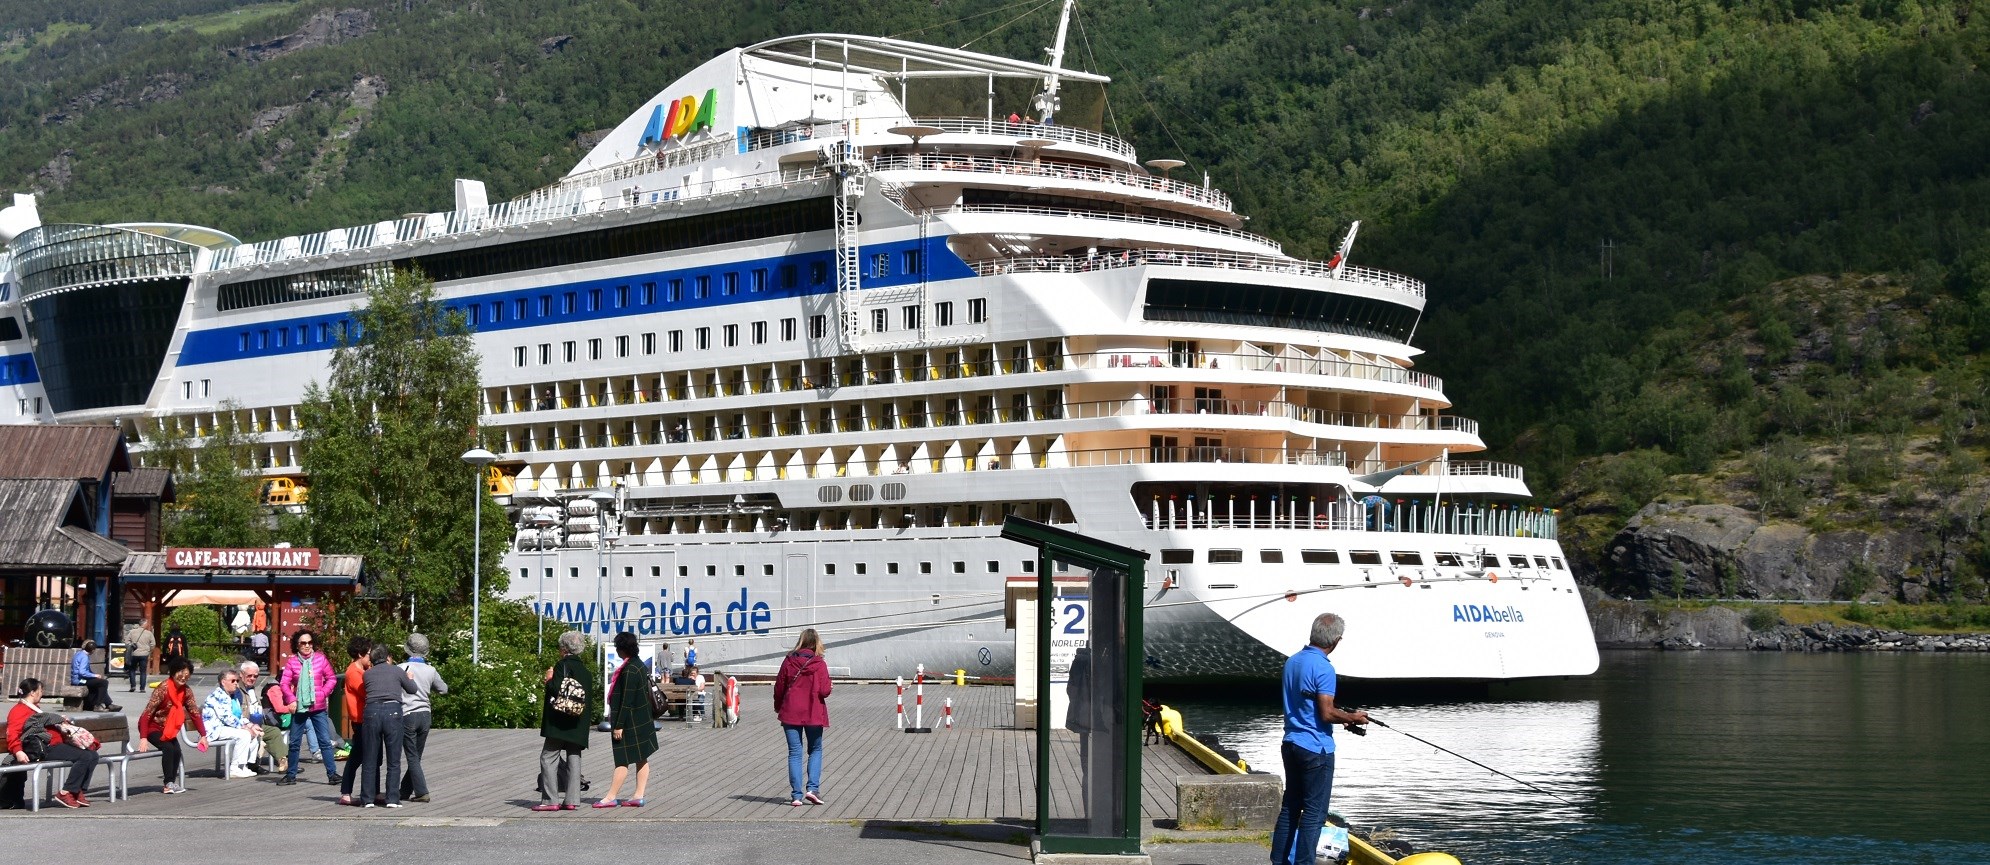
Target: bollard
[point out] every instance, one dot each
(950, 713)
(901, 702)
(960, 678)
(919, 702)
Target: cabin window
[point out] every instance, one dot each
(1271, 557)
(1226, 557)
(1401, 557)
(1320, 557)
(1177, 557)
(1365, 557)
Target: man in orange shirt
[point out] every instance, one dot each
(355, 706)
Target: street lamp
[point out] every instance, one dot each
(477, 458)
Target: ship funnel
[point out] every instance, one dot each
(18, 218)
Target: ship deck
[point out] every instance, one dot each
(982, 769)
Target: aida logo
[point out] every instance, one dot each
(680, 118)
(1484, 613)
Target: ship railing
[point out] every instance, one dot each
(966, 413)
(1096, 457)
(547, 204)
(1450, 468)
(1423, 516)
(1189, 258)
(565, 397)
(961, 162)
(1331, 366)
(1051, 132)
(1140, 218)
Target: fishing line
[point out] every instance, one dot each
(1377, 722)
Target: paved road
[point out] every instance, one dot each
(337, 841)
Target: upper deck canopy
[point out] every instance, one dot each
(896, 59)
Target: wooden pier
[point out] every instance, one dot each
(979, 770)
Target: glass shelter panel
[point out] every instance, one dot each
(1088, 766)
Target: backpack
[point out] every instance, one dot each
(176, 646)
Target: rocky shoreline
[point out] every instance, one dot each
(1644, 625)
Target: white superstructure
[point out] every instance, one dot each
(781, 351)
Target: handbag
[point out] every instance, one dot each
(80, 737)
(659, 701)
(569, 697)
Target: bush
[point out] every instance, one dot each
(1763, 617)
(504, 690)
(208, 640)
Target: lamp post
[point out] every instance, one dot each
(477, 458)
(604, 559)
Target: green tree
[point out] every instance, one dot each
(383, 441)
(219, 494)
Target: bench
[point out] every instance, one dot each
(33, 790)
(51, 666)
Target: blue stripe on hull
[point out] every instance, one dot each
(320, 332)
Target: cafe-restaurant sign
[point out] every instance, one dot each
(232, 558)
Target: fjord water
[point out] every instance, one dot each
(1697, 758)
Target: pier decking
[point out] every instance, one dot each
(980, 770)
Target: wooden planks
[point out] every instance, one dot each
(982, 769)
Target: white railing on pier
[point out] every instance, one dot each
(1399, 515)
(1139, 218)
(1189, 258)
(555, 202)
(960, 162)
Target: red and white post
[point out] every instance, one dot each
(950, 713)
(919, 702)
(901, 702)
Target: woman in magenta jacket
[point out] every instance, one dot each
(801, 694)
(311, 690)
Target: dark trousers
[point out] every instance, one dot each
(1309, 783)
(383, 736)
(138, 673)
(97, 693)
(169, 755)
(414, 740)
(83, 764)
(355, 754)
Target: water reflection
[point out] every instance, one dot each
(1706, 758)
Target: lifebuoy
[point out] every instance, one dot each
(732, 700)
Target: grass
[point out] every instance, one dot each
(49, 36)
(222, 22)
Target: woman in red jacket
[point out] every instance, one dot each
(801, 693)
(82, 762)
(171, 709)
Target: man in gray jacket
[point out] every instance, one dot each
(417, 717)
(138, 646)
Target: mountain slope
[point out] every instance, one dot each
(1591, 188)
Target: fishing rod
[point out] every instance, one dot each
(1358, 731)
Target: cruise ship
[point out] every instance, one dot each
(790, 343)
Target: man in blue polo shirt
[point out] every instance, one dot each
(1308, 748)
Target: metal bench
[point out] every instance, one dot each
(31, 787)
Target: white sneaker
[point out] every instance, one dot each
(241, 772)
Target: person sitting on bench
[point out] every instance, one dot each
(694, 703)
(28, 728)
(98, 694)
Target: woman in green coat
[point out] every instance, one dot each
(634, 726)
(565, 730)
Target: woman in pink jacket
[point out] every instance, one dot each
(308, 681)
(801, 693)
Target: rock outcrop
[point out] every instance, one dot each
(324, 28)
(1717, 550)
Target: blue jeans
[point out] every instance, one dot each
(1309, 783)
(797, 736)
(304, 724)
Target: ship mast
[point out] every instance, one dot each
(1047, 102)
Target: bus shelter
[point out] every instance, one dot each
(285, 578)
(1089, 594)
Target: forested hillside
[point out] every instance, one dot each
(1607, 196)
